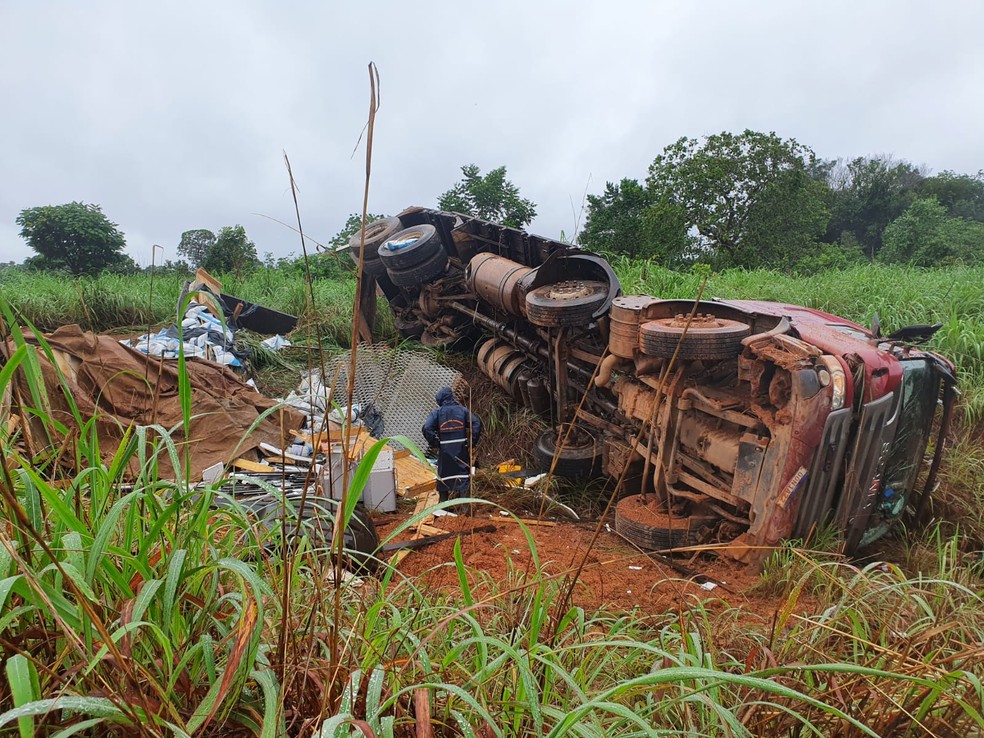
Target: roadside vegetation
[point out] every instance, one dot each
(140, 609)
(134, 606)
(901, 295)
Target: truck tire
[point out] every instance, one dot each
(420, 274)
(708, 338)
(580, 457)
(377, 232)
(361, 540)
(410, 247)
(673, 532)
(568, 303)
(374, 267)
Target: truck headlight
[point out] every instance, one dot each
(838, 381)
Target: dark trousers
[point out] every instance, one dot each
(453, 478)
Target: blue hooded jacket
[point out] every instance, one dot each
(447, 428)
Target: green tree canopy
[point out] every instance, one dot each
(231, 252)
(961, 194)
(195, 245)
(868, 193)
(75, 237)
(616, 220)
(490, 197)
(924, 236)
(746, 199)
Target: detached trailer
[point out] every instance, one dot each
(729, 421)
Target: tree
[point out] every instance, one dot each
(867, 194)
(961, 194)
(74, 237)
(746, 199)
(615, 221)
(924, 236)
(231, 252)
(195, 245)
(352, 226)
(491, 197)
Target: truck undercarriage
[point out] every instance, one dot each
(730, 422)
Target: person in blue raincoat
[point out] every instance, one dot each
(449, 429)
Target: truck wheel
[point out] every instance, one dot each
(376, 233)
(361, 540)
(580, 457)
(420, 274)
(707, 337)
(374, 267)
(410, 247)
(565, 303)
(656, 531)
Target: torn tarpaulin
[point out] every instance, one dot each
(120, 388)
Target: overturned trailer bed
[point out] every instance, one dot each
(728, 421)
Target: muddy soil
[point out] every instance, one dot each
(616, 576)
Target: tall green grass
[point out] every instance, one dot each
(901, 296)
(110, 302)
(130, 605)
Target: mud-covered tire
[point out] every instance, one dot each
(715, 339)
(377, 232)
(579, 458)
(569, 303)
(676, 532)
(421, 273)
(416, 245)
(374, 267)
(361, 538)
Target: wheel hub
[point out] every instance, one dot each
(569, 290)
(700, 320)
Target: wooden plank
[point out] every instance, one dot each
(413, 477)
(527, 521)
(253, 466)
(424, 501)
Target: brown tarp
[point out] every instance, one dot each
(121, 388)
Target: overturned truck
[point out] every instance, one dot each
(727, 421)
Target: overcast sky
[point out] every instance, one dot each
(174, 116)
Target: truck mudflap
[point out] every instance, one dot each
(824, 473)
(873, 435)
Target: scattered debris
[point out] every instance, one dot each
(120, 388)
(421, 542)
(397, 384)
(204, 335)
(275, 343)
(201, 336)
(300, 506)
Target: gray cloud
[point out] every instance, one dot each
(175, 116)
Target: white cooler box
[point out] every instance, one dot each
(379, 494)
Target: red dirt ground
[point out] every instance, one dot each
(616, 576)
